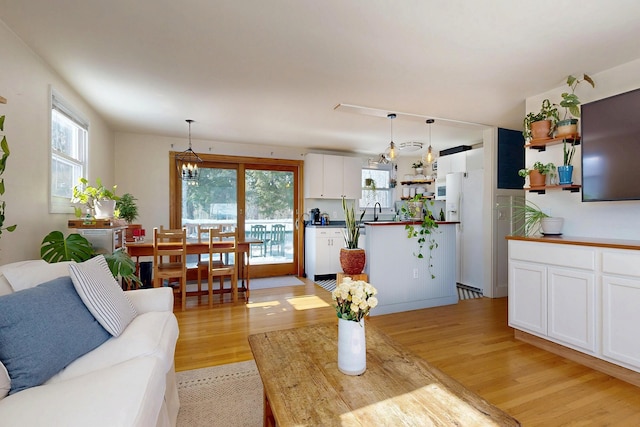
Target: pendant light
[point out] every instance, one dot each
(392, 146)
(187, 162)
(429, 156)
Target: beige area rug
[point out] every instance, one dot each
(225, 395)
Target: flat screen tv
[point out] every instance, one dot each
(611, 148)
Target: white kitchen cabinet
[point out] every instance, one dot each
(620, 302)
(322, 251)
(332, 177)
(528, 297)
(463, 161)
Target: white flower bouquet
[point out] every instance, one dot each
(354, 299)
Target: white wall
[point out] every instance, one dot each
(617, 220)
(26, 81)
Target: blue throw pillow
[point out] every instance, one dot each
(42, 330)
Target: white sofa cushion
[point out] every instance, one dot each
(149, 334)
(33, 273)
(127, 394)
(5, 381)
(102, 295)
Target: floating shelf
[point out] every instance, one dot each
(421, 198)
(574, 188)
(421, 181)
(541, 144)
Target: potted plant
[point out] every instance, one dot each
(532, 219)
(565, 172)
(352, 258)
(418, 166)
(570, 103)
(424, 232)
(99, 198)
(538, 173)
(540, 125)
(126, 208)
(4, 147)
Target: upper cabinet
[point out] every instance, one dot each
(463, 161)
(332, 177)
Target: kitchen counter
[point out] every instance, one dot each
(404, 281)
(379, 223)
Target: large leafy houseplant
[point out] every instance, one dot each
(570, 101)
(127, 207)
(88, 195)
(4, 147)
(56, 248)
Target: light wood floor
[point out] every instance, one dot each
(470, 341)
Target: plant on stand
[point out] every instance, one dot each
(99, 198)
(540, 125)
(354, 300)
(538, 173)
(352, 258)
(570, 102)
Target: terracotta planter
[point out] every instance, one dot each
(352, 260)
(541, 129)
(536, 179)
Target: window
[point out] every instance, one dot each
(69, 137)
(375, 187)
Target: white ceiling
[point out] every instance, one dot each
(272, 72)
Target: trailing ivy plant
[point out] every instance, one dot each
(4, 147)
(424, 232)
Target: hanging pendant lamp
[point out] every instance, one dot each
(187, 162)
(392, 146)
(429, 156)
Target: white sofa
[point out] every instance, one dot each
(128, 380)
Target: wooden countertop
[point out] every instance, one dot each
(582, 241)
(379, 223)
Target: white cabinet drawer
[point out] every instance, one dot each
(571, 256)
(625, 263)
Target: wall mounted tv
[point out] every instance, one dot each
(611, 148)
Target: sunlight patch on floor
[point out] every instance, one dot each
(263, 304)
(306, 302)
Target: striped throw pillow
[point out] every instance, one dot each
(102, 295)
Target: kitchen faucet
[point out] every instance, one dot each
(375, 214)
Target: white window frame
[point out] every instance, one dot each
(384, 188)
(79, 161)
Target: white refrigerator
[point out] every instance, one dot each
(464, 204)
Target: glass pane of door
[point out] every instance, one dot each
(213, 201)
(269, 207)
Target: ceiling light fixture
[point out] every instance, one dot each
(187, 162)
(392, 146)
(410, 146)
(429, 156)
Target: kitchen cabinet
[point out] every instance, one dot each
(578, 293)
(322, 251)
(332, 177)
(463, 161)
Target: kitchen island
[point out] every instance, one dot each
(404, 281)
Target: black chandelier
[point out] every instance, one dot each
(187, 162)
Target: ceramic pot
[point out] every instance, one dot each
(541, 129)
(552, 225)
(565, 174)
(567, 127)
(105, 208)
(352, 260)
(536, 179)
(352, 347)
(418, 171)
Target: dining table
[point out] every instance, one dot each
(195, 247)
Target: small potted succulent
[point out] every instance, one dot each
(570, 102)
(540, 125)
(538, 173)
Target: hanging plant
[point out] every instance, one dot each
(424, 232)
(4, 147)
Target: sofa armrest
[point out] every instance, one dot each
(153, 299)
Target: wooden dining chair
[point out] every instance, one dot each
(202, 264)
(170, 258)
(221, 245)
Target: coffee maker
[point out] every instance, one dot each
(315, 217)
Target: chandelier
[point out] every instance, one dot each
(187, 162)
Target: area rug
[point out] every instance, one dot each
(467, 292)
(225, 395)
(274, 282)
(328, 285)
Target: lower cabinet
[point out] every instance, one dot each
(585, 298)
(322, 251)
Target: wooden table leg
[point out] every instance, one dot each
(268, 418)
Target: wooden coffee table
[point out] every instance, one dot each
(302, 384)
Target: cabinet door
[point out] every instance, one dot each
(444, 167)
(620, 320)
(352, 178)
(459, 162)
(333, 177)
(313, 175)
(572, 307)
(528, 297)
(328, 244)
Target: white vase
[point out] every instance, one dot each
(352, 347)
(105, 208)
